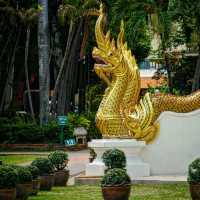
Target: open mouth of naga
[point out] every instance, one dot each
(100, 62)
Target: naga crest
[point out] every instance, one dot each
(112, 56)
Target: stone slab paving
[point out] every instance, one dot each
(160, 179)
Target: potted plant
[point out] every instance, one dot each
(93, 155)
(36, 180)
(46, 172)
(116, 185)
(59, 159)
(114, 158)
(8, 180)
(194, 179)
(24, 184)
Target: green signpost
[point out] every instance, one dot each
(62, 121)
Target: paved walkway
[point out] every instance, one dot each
(77, 159)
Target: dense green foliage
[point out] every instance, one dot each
(24, 175)
(94, 95)
(44, 165)
(194, 171)
(59, 159)
(115, 177)
(35, 172)
(137, 34)
(17, 130)
(114, 158)
(93, 131)
(8, 177)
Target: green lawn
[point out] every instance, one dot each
(18, 159)
(139, 192)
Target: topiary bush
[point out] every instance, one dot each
(34, 171)
(59, 159)
(194, 171)
(114, 158)
(24, 175)
(44, 165)
(115, 177)
(8, 177)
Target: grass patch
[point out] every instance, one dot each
(139, 192)
(18, 159)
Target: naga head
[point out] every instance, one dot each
(108, 54)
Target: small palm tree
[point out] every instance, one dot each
(27, 18)
(73, 13)
(23, 17)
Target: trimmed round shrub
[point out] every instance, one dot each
(194, 171)
(8, 177)
(44, 165)
(115, 177)
(114, 158)
(24, 175)
(59, 159)
(34, 171)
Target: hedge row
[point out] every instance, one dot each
(22, 132)
(18, 131)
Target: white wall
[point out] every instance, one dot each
(177, 144)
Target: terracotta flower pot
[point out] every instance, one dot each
(61, 177)
(36, 186)
(195, 191)
(23, 190)
(116, 192)
(46, 182)
(8, 194)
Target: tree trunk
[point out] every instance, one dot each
(82, 86)
(70, 79)
(169, 71)
(7, 93)
(26, 73)
(43, 45)
(195, 85)
(63, 64)
(6, 45)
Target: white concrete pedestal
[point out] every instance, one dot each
(132, 149)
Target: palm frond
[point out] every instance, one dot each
(66, 10)
(91, 12)
(88, 4)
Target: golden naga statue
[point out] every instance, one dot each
(122, 114)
